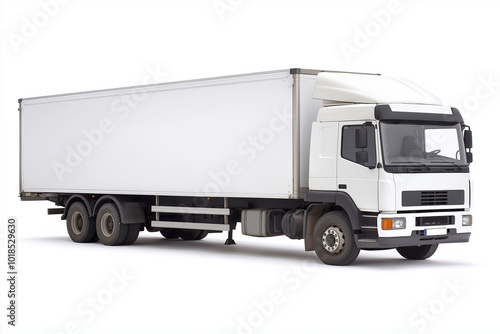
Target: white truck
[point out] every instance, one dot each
(344, 161)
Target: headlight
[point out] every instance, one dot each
(393, 223)
(466, 220)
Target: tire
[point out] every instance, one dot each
(132, 234)
(170, 233)
(110, 229)
(81, 228)
(334, 239)
(193, 234)
(173, 233)
(417, 252)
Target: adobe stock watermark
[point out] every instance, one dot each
(90, 139)
(224, 7)
(247, 151)
(291, 281)
(364, 35)
(430, 312)
(96, 303)
(31, 26)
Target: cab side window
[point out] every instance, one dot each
(358, 144)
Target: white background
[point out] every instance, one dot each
(261, 285)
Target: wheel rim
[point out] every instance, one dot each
(77, 222)
(107, 224)
(333, 239)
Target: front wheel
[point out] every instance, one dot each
(334, 239)
(417, 252)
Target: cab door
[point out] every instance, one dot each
(357, 172)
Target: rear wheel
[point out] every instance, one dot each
(193, 234)
(110, 229)
(334, 239)
(81, 228)
(172, 233)
(132, 234)
(417, 252)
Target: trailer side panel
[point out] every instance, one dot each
(222, 137)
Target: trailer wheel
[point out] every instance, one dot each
(170, 233)
(193, 234)
(132, 234)
(81, 228)
(110, 229)
(334, 239)
(417, 252)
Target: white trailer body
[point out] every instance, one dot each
(238, 136)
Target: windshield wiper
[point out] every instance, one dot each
(411, 162)
(448, 162)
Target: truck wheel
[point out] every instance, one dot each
(132, 234)
(193, 234)
(81, 228)
(417, 252)
(110, 229)
(170, 233)
(334, 239)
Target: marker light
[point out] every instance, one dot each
(466, 220)
(393, 223)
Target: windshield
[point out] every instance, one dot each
(422, 144)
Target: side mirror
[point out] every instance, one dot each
(362, 157)
(468, 144)
(468, 139)
(468, 156)
(362, 138)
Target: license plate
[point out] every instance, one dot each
(436, 231)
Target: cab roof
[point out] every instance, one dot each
(336, 88)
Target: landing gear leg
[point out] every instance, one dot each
(230, 240)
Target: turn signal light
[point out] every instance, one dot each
(386, 224)
(393, 223)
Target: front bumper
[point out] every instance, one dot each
(414, 240)
(415, 234)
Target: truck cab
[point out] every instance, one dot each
(401, 160)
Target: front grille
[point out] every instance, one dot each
(433, 197)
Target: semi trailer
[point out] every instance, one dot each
(343, 161)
